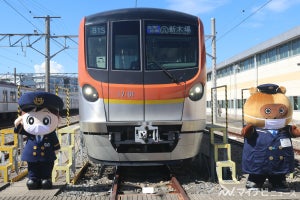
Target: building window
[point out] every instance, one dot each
(272, 55)
(296, 102)
(247, 64)
(240, 103)
(209, 77)
(296, 47)
(262, 58)
(208, 104)
(284, 51)
(231, 102)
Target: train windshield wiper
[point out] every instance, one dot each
(166, 72)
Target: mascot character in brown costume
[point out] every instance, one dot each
(268, 151)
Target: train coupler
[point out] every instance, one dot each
(146, 134)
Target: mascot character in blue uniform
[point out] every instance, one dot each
(268, 151)
(39, 120)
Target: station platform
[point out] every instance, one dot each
(19, 189)
(67, 167)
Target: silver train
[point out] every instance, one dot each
(142, 78)
(9, 94)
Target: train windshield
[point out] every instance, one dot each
(96, 46)
(171, 46)
(167, 45)
(126, 45)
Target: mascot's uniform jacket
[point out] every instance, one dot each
(268, 152)
(40, 155)
(40, 151)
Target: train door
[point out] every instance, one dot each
(126, 92)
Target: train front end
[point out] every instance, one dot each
(142, 86)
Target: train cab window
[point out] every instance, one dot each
(126, 45)
(96, 46)
(171, 45)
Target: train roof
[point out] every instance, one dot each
(7, 83)
(10, 84)
(140, 13)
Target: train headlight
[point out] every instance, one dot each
(90, 93)
(196, 92)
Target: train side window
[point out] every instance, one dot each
(4, 95)
(126, 39)
(96, 46)
(13, 96)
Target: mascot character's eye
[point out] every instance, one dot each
(46, 120)
(268, 110)
(30, 120)
(281, 110)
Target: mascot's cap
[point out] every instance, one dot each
(268, 88)
(40, 99)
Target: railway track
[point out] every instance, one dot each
(117, 183)
(154, 181)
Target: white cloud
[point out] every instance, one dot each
(195, 6)
(54, 67)
(281, 5)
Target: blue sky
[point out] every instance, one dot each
(240, 25)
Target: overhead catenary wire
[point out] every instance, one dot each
(33, 8)
(19, 13)
(250, 15)
(236, 18)
(218, 38)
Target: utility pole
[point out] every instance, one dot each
(18, 40)
(214, 68)
(47, 51)
(15, 76)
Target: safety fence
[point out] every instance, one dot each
(221, 165)
(69, 157)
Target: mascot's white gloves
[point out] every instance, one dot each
(18, 121)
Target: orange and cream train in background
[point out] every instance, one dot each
(142, 79)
